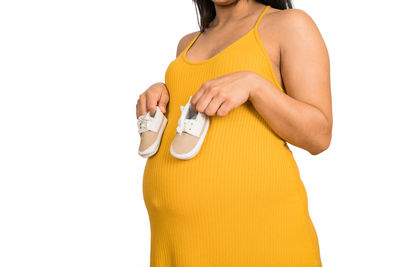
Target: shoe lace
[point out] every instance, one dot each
(185, 125)
(144, 122)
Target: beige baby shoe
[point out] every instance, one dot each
(191, 131)
(151, 129)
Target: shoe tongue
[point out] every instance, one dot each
(192, 114)
(155, 113)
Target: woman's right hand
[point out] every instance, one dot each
(155, 95)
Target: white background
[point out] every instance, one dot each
(71, 179)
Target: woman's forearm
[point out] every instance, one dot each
(299, 123)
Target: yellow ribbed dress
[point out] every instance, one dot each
(240, 201)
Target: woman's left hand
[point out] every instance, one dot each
(222, 94)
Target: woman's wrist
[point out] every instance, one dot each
(258, 86)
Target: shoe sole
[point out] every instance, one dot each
(196, 148)
(158, 141)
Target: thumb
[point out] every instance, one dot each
(164, 99)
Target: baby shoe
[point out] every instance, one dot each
(191, 131)
(151, 129)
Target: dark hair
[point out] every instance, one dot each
(206, 8)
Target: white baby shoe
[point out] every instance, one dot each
(191, 131)
(150, 130)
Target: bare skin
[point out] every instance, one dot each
(303, 116)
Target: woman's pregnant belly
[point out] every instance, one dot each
(241, 164)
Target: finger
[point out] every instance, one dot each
(214, 105)
(203, 96)
(164, 99)
(142, 104)
(206, 98)
(151, 102)
(224, 108)
(195, 98)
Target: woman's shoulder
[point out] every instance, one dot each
(291, 27)
(185, 41)
(288, 22)
(287, 16)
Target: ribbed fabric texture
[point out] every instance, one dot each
(240, 201)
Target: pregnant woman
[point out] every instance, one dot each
(260, 71)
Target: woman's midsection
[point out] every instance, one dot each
(241, 160)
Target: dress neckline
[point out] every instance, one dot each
(253, 29)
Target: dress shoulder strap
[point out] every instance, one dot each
(260, 17)
(191, 42)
